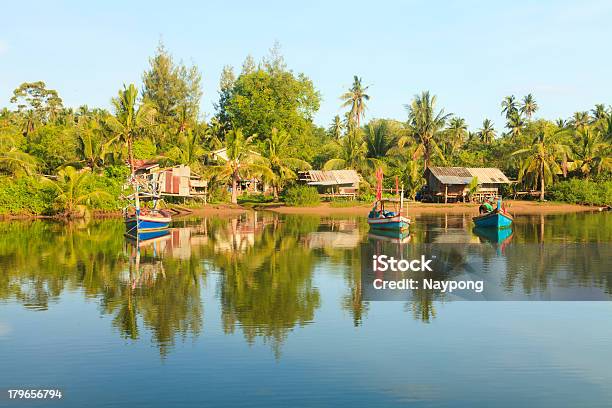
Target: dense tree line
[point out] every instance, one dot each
(264, 117)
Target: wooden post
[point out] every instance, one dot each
(445, 193)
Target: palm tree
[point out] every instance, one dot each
(353, 155)
(515, 125)
(13, 160)
(424, 126)
(356, 98)
(561, 123)
(457, 132)
(599, 112)
(336, 128)
(579, 120)
(282, 165)
(408, 172)
(379, 138)
(91, 147)
(487, 132)
(540, 164)
(592, 154)
(130, 121)
(242, 161)
(73, 191)
(529, 106)
(188, 150)
(509, 106)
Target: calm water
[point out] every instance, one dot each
(264, 310)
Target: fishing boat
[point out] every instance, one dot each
(498, 218)
(143, 223)
(381, 219)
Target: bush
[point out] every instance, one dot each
(582, 192)
(301, 195)
(25, 196)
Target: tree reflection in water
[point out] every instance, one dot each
(264, 267)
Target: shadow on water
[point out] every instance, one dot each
(263, 267)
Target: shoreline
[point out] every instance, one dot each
(515, 207)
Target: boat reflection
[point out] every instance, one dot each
(493, 235)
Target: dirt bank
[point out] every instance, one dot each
(513, 206)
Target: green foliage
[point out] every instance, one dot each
(301, 195)
(582, 192)
(25, 196)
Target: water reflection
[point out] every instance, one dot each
(264, 267)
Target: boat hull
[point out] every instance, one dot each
(146, 223)
(395, 223)
(493, 220)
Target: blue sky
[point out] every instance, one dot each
(470, 54)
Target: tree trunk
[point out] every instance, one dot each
(131, 155)
(275, 191)
(542, 184)
(234, 189)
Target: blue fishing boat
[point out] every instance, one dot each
(139, 221)
(381, 219)
(498, 218)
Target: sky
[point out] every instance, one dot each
(470, 54)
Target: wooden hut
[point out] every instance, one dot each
(332, 183)
(177, 181)
(451, 183)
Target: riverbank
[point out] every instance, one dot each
(513, 206)
(516, 207)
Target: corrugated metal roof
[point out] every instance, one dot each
(464, 175)
(488, 175)
(451, 175)
(331, 177)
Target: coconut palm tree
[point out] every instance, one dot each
(130, 121)
(336, 128)
(356, 99)
(457, 133)
(579, 120)
(379, 138)
(408, 171)
(529, 106)
(353, 155)
(189, 150)
(509, 106)
(282, 165)
(515, 125)
(73, 191)
(561, 123)
(592, 155)
(487, 132)
(425, 126)
(13, 160)
(242, 161)
(540, 162)
(91, 146)
(599, 112)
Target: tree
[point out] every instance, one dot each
(408, 172)
(509, 106)
(425, 127)
(92, 147)
(529, 106)
(170, 88)
(540, 163)
(457, 133)
(242, 161)
(130, 121)
(515, 125)
(599, 113)
(356, 99)
(335, 128)
(353, 155)
(579, 121)
(73, 191)
(272, 97)
(226, 85)
(592, 155)
(487, 132)
(188, 151)
(38, 103)
(13, 160)
(283, 166)
(379, 138)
